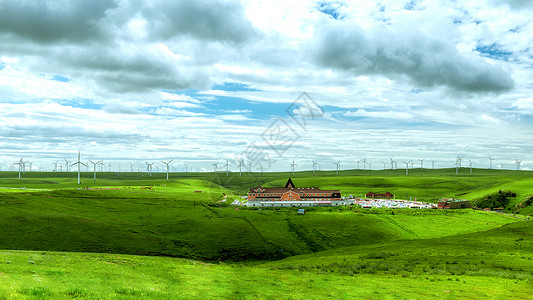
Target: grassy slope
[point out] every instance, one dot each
(490, 265)
(418, 254)
(174, 220)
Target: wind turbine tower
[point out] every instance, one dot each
(240, 168)
(227, 165)
(215, 167)
(518, 162)
(67, 165)
(293, 164)
(94, 167)
(167, 163)
(314, 164)
(186, 168)
(20, 163)
(432, 164)
(470, 165)
(406, 167)
(422, 163)
(149, 168)
(364, 164)
(338, 163)
(490, 161)
(79, 163)
(131, 168)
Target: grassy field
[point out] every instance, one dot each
(494, 264)
(207, 248)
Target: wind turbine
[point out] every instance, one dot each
(391, 164)
(490, 159)
(30, 163)
(459, 160)
(20, 163)
(384, 165)
(240, 168)
(94, 167)
(501, 166)
(406, 167)
(422, 163)
(364, 164)
(167, 163)
(457, 165)
(186, 168)
(67, 165)
(292, 166)
(357, 162)
(432, 164)
(369, 165)
(149, 168)
(338, 163)
(227, 165)
(131, 168)
(470, 165)
(314, 164)
(109, 167)
(79, 163)
(215, 167)
(518, 162)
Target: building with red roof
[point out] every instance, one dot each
(292, 196)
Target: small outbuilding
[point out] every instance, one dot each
(386, 195)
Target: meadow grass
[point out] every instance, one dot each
(338, 252)
(54, 275)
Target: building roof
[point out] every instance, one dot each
(279, 190)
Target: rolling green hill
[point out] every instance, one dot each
(340, 252)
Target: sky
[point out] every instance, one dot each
(265, 83)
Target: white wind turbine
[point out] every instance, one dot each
(94, 167)
(149, 168)
(490, 161)
(391, 164)
(364, 164)
(227, 165)
(20, 163)
(55, 166)
(384, 165)
(406, 167)
(518, 163)
(314, 164)
(215, 167)
(167, 164)
(501, 166)
(186, 168)
(338, 163)
(470, 165)
(457, 166)
(432, 164)
(422, 163)
(240, 167)
(293, 164)
(131, 168)
(67, 165)
(357, 162)
(79, 163)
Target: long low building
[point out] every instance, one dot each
(292, 196)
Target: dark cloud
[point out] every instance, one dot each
(204, 19)
(425, 61)
(52, 21)
(93, 40)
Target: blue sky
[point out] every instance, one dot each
(129, 82)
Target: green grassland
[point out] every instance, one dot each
(494, 264)
(108, 233)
